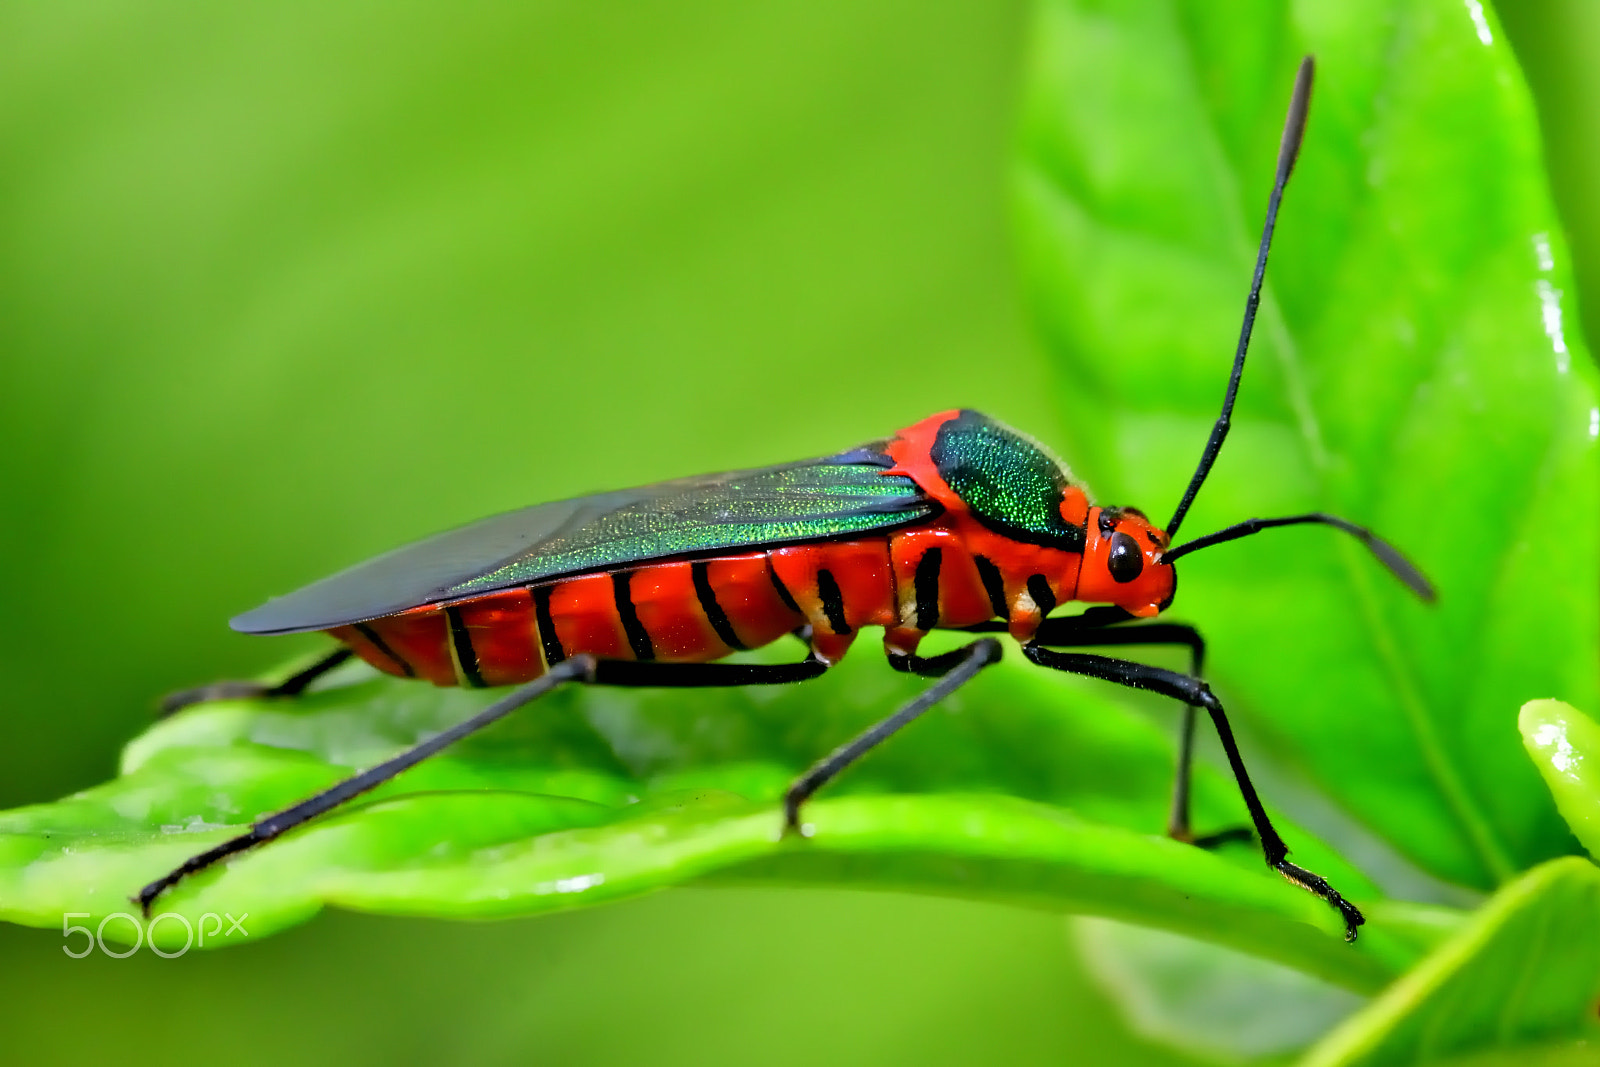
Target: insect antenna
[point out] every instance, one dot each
(1386, 553)
(1294, 128)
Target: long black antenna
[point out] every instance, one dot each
(1386, 553)
(1294, 128)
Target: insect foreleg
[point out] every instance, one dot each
(1196, 693)
(1067, 631)
(1102, 625)
(1095, 628)
(292, 686)
(953, 669)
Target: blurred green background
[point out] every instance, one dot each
(284, 285)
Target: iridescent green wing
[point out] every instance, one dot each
(1010, 481)
(815, 500)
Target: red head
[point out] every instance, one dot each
(1122, 563)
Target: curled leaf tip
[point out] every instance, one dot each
(1564, 744)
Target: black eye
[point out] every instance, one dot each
(1126, 560)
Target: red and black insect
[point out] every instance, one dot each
(956, 523)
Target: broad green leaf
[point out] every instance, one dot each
(1029, 789)
(1564, 744)
(1519, 984)
(1412, 371)
(1196, 996)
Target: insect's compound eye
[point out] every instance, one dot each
(1126, 561)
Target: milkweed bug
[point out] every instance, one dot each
(955, 523)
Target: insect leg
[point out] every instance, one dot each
(643, 673)
(1090, 630)
(1099, 625)
(575, 669)
(1053, 635)
(1196, 693)
(292, 686)
(953, 669)
(581, 668)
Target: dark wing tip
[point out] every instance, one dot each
(278, 616)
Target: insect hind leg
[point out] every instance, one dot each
(292, 686)
(581, 668)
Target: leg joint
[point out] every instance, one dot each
(583, 665)
(980, 653)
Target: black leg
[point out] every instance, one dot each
(1090, 629)
(1101, 625)
(577, 669)
(292, 686)
(650, 674)
(1052, 635)
(953, 669)
(1196, 693)
(1178, 814)
(1178, 826)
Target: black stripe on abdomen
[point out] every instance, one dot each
(638, 636)
(783, 590)
(383, 646)
(926, 586)
(993, 584)
(701, 573)
(1039, 589)
(549, 640)
(466, 655)
(832, 598)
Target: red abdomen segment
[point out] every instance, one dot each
(942, 575)
(675, 612)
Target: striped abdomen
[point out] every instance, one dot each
(908, 582)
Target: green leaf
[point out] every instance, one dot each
(1405, 377)
(1411, 371)
(1519, 984)
(1031, 789)
(1200, 997)
(1564, 744)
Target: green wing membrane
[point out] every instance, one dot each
(815, 500)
